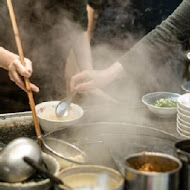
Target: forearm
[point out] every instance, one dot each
(6, 57)
(160, 41)
(114, 72)
(90, 11)
(82, 51)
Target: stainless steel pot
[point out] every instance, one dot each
(90, 175)
(138, 175)
(105, 138)
(183, 152)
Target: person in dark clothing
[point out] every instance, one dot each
(120, 20)
(144, 59)
(48, 30)
(119, 25)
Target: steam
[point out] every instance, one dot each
(48, 32)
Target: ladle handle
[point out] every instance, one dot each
(54, 179)
(70, 97)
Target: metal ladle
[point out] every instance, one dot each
(62, 109)
(12, 166)
(53, 178)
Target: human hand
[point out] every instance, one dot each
(88, 79)
(17, 71)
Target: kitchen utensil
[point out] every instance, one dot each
(12, 166)
(32, 183)
(184, 102)
(66, 153)
(186, 86)
(63, 107)
(79, 177)
(49, 121)
(182, 149)
(152, 171)
(124, 139)
(26, 80)
(53, 178)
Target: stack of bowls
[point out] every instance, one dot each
(183, 116)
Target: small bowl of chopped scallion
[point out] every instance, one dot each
(162, 104)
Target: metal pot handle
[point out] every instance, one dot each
(183, 156)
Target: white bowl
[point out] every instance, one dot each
(181, 134)
(183, 107)
(182, 116)
(183, 111)
(183, 122)
(186, 86)
(183, 127)
(150, 99)
(48, 120)
(184, 101)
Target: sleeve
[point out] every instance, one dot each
(159, 42)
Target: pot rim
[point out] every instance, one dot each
(120, 183)
(153, 154)
(181, 152)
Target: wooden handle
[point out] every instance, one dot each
(26, 80)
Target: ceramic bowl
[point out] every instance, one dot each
(48, 120)
(150, 99)
(182, 116)
(184, 102)
(183, 127)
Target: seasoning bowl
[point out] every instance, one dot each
(151, 98)
(53, 167)
(49, 121)
(152, 171)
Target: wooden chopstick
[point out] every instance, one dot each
(26, 80)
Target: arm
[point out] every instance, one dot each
(82, 51)
(10, 61)
(160, 41)
(6, 58)
(90, 11)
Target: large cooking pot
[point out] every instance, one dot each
(152, 171)
(101, 141)
(183, 152)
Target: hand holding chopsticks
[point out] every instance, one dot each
(26, 80)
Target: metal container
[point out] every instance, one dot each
(45, 184)
(139, 171)
(65, 153)
(90, 175)
(183, 152)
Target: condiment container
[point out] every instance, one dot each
(152, 171)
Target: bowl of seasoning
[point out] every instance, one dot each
(162, 104)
